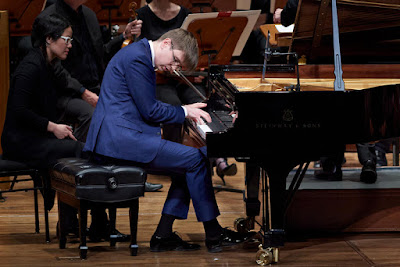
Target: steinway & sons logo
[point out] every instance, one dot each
(287, 115)
(290, 122)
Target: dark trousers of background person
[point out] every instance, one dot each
(77, 112)
(365, 152)
(381, 148)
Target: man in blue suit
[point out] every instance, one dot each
(125, 128)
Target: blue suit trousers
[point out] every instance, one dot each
(190, 180)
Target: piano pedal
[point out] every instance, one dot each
(266, 256)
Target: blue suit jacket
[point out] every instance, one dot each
(126, 121)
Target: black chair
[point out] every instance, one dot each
(18, 172)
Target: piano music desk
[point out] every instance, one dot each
(276, 38)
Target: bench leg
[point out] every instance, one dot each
(82, 230)
(133, 222)
(61, 225)
(112, 213)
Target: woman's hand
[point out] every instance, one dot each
(61, 131)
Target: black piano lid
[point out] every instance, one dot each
(369, 31)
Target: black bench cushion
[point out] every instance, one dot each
(89, 181)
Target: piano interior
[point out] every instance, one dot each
(325, 84)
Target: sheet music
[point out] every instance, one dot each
(282, 29)
(252, 16)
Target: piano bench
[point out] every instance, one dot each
(85, 185)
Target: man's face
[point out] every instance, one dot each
(167, 58)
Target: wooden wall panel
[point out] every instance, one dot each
(5, 67)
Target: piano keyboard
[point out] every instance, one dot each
(221, 121)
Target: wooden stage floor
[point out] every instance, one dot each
(20, 246)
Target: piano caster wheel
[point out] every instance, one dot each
(267, 256)
(242, 225)
(113, 242)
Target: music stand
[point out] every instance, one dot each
(220, 35)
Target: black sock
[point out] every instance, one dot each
(213, 229)
(164, 228)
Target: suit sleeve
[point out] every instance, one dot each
(140, 78)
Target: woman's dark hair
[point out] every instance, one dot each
(51, 26)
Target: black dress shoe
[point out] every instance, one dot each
(226, 239)
(119, 237)
(368, 173)
(149, 187)
(328, 175)
(104, 234)
(174, 242)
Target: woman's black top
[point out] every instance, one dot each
(153, 27)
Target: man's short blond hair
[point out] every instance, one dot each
(187, 43)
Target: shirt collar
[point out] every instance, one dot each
(152, 53)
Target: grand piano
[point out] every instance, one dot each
(289, 115)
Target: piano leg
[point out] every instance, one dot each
(273, 176)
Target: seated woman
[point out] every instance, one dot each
(30, 133)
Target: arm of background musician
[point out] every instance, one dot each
(66, 82)
(287, 15)
(133, 28)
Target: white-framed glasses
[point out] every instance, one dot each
(67, 39)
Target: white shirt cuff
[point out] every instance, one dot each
(184, 110)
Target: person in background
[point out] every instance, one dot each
(128, 115)
(86, 64)
(31, 133)
(81, 74)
